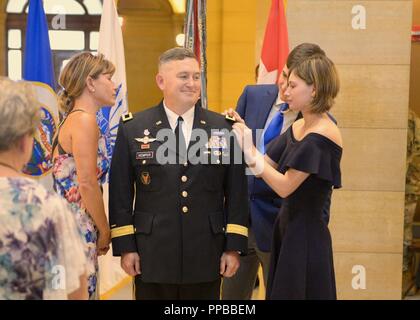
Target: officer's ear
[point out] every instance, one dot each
(160, 81)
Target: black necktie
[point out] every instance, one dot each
(180, 141)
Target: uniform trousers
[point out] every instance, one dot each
(162, 291)
(241, 285)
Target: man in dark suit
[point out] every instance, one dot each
(190, 216)
(264, 108)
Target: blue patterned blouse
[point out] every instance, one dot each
(41, 248)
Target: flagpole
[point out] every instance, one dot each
(196, 39)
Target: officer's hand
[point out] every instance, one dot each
(229, 263)
(233, 114)
(130, 262)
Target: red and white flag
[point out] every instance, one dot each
(275, 48)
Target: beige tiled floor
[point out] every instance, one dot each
(125, 293)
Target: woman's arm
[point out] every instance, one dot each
(271, 162)
(282, 184)
(263, 167)
(84, 140)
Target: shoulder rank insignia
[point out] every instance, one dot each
(227, 117)
(127, 116)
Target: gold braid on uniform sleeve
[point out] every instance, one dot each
(237, 229)
(122, 231)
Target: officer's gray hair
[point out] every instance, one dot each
(176, 54)
(19, 112)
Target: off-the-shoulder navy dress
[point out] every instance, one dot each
(302, 260)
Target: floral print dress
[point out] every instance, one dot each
(42, 254)
(66, 184)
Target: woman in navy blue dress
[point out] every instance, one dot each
(302, 166)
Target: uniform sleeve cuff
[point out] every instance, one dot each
(123, 244)
(236, 242)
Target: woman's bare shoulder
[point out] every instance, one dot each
(330, 130)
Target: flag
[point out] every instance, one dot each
(112, 47)
(275, 47)
(195, 39)
(38, 68)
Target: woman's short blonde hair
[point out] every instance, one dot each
(73, 76)
(319, 70)
(19, 112)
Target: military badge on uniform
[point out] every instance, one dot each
(217, 144)
(145, 141)
(144, 155)
(217, 141)
(145, 178)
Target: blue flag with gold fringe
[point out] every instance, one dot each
(38, 68)
(37, 64)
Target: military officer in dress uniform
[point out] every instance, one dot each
(188, 223)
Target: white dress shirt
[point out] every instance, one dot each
(187, 126)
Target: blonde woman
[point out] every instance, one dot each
(39, 237)
(80, 158)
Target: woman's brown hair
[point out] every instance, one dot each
(73, 76)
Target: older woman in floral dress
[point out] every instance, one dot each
(41, 247)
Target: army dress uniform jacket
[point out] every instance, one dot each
(185, 215)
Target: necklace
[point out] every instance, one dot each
(8, 166)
